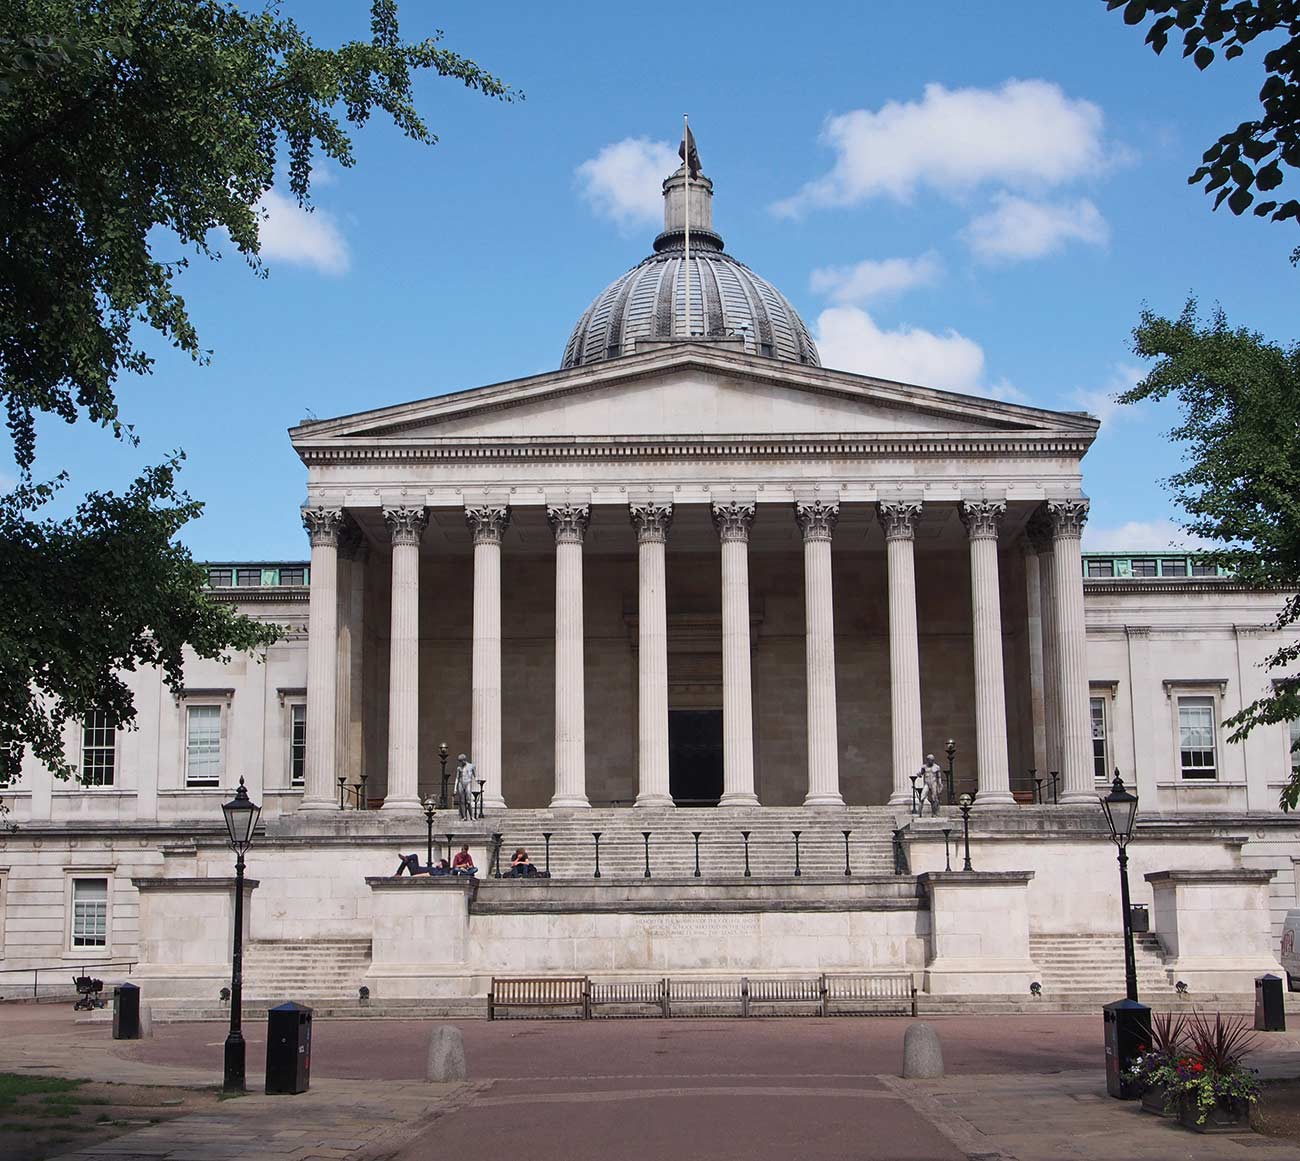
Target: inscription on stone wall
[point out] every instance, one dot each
(700, 926)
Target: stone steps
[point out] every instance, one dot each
(1072, 965)
(305, 969)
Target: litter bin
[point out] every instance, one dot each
(1128, 1029)
(126, 1012)
(1139, 918)
(1270, 1013)
(288, 1048)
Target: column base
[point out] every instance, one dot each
(988, 799)
(412, 804)
(494, 803)
(1078, 798)
(570, 802)
(824, 800)
(739, 798)
(659, 800)
(319, 804)
(902, 797)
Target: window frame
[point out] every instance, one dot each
(72, 876)
(1210, 701)
(112, 750)
(189, 699)
(1101, 697)
(292, 708)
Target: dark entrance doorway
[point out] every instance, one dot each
(695, 756)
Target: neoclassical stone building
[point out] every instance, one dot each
(689, 583)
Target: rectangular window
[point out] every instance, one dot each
(1100, 762)
(293, 576)
(1173, 568)
(98, 749)
(89, 912)
(203, 745)
(1144, 567)
(297, 745)
(1204, 570)
(1196, 730)
(248, 576)
(220, 578)
(1101, 568)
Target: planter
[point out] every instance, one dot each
(1154, 1102)
(1230, 1115)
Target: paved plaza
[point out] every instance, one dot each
(1018, 1087)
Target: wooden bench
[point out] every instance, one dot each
(711, 993)
(540, 992)
(874, 995)
(807, 990)
(631, 994)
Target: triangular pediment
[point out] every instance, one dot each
(691, 390)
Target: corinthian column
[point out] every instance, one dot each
(570, 524)
(817, 523)
(406, 527)
(488, 524)
(1067, 518)
(652, 522)
(733, 521)
(982, 518)
(899, 522)
(323, 526)
(1039, 531)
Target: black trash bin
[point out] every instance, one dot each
(1139, 918)
(288, 1048)
(1128, 1031)
(126, 1012)
(1270, 1011)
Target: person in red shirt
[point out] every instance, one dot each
(462, 862)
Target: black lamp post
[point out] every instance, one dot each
(241, 814)
(430, 808)
(965, 802)
(951, 750)
(947, 861)
(1121, 812)
(442, 758)
(916, 793)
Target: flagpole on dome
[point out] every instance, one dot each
(686, 164)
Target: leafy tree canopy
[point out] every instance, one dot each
(1252, 157)
(125, 124)
(1239, 396)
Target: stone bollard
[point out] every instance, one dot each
(146, 1022)
(922, 1056)
(446, 1062)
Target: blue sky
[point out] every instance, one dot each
(980, 198)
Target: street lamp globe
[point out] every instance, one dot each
(241, 814)
(1121, 811)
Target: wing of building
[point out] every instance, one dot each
(698, 610)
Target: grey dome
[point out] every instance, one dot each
(727, 299)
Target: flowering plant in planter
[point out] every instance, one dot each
(1209, 1078)
(1156, 1069)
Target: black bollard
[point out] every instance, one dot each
(947, 862)
(596, 835)
(497, 839)
(546, 835)
(696, 834)
(846, 833)
(745, 835)
(797, 871)
(645, 834)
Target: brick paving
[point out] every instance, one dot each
(1018, 1089)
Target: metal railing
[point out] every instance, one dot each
(56, 978)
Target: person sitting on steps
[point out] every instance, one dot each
(463, 862)
(521, 866)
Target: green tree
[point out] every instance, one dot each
(1239, 396)
(126, 125)
(1252, 157)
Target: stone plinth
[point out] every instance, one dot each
(187, 934)
(420, 936)
(1215, 927)
(979, 932)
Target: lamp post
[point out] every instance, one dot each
(916, 794)
(1121, 812)
(241, 815)
(430, 808)
(442, 758)
(951, 750)
(965, 802)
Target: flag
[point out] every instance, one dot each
(689, 154)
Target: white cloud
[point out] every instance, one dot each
(848, 338)
(624, 181)
(875, 278)
(1140, 535)
(1102, 402)
(291, 234)
(1008, 393)
(1018, 228)
(1026, 134)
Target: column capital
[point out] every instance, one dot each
(323, 525)
(651, 522)
(1068, 517)
(406, 525)
(817, 519)
(733, 520)
(982, 518)
(569, 522)
(898, 518)
(1038, 530)
(488, 522)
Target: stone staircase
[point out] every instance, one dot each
(721, 847)
(1073, 965)
(306, 970)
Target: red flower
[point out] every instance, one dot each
(1198, 1068)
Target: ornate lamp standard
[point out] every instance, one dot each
(1121, 812)
(965, 802)
(442, 758)
(430, 809)
(241, 815)
(951, 750)
(1127, 1022)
